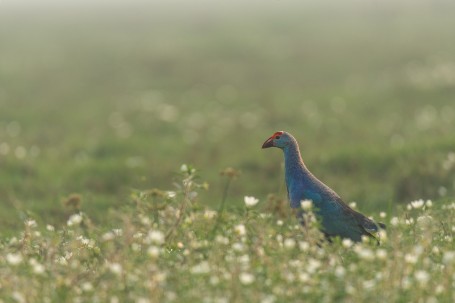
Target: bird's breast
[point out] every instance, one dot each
(296, 193)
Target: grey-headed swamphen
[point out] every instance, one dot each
(337, 218)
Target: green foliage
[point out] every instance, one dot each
(162, 249)
(98, 108)
(111, 104)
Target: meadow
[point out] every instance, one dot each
(130, 136)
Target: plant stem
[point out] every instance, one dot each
(222, 204)
(182, 210)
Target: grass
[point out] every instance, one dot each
(98, 107)
(166, 247)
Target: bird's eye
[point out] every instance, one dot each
(277, 137)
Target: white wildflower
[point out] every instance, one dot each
(279, 239)
(50, 227)
(435, 250)
(350, 289)
(304, 246)
(171, 296)
(340, 271)
(347, 243)
(18, 297)
(289, 277)
(83, 240)
(136, 247)
(184, 168)
(439, 289)
(171, 194)
(250, 201)
(62, 260)
(394, 221)
(260, 251)
(115, 268)
(118, 232)
(289, 243)
(74, 219)
(422, 276)
(222, 240)
(417, 204)
(382, 234)
(209, 214)
(381, 254)
(449, 257)
(279, 222)
(14, 259)
(313, 265)
(304, 277)
(418, 249)
(406, 283)
(429, 203)
(37, 267)
(214, 280)
(240, 229)
(201, 268)
(411, 258)
(87, 286)
(268, 299)
(145, 220)
(306, 204)
(265, 216)
(246, 278)
(353, 204)
(155, 236)
(238, 246)
(31, 223)
(369, 284)
(382, 214)
(153, 251)
(245, 259)
(138, 235)
(424, 222)
(295, 263)
(364, 252)
(108, 236)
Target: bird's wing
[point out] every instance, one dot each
(342, 223)
(336, 220)
(368, 226)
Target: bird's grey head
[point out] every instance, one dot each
(279, 139)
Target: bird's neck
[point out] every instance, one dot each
(293, 163)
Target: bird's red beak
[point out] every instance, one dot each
(268, 143)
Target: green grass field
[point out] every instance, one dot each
(100, 105)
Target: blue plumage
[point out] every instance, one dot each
(337, 218)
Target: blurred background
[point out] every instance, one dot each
(102, 97)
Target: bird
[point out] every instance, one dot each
(337, 219)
